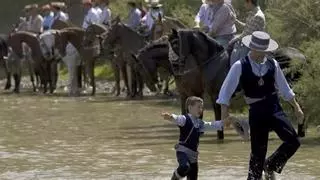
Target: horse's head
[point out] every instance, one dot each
(113, 35)
(93, 33)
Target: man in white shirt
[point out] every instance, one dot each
(96, 5)
(106, 13)
(261, 79)
(35, 23)
(48, 17)
(92, 16)
(154, 11)
(57, 10)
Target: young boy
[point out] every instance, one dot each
(191, 127)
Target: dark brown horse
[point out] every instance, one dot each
(130, 41)
(16, 41)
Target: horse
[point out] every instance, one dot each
(130, 41)
(155, 56)
(162, 26)
(4, 51)
(26, 45)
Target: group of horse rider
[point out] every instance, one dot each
(218, 19)
(40, 19)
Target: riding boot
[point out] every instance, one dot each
(174, 176)
(268, 174)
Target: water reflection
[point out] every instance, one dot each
(78, 138)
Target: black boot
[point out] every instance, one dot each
(174, 176)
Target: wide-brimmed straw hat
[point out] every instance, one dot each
(154, 4)
(260, 41)
(60, 5)
(45, 7)
(87, 2)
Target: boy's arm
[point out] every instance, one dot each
(179, 120)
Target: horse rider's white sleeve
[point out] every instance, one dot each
(200, 14)
(230, 84)
(180, 120)
(282, 85)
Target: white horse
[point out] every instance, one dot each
(71, 59)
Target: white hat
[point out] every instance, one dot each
(260, 41)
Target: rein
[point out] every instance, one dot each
(213, 58)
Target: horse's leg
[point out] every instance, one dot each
(8, 74)
(116, 71)
(140, 84)
(50, 70)
(8, 84)
(79, 76)
(183, 98)
(17, 79)
(125, 78)
(31, 72)
(92, 82)
(134, 83)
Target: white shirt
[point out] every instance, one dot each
(148, 18)
(200, 17)
(61, 16)
(105, 16)
(232, 80)
(99, 11)
(180, 120)
(91, 17)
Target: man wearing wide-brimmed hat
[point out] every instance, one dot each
(261, 79)
(35, 23)
(48, 16)
(92, 16)
(105, 18)
(134, 16)
(57, 8)
(153, 13)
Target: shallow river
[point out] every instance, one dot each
(43, 137)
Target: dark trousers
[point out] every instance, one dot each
(264, 116)
(185, 167)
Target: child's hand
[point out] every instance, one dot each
(166, 116)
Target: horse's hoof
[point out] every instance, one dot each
(16, 91)
(168, 93)
(220, 135)
(117, 94)
(7, 87)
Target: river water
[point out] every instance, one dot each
(56, 137)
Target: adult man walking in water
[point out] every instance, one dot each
(261, 77)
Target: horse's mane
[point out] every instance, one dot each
(25, 33)
(187, 36)
(159, 43)
(130, 29)
(177, 21)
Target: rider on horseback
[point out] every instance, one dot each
(35, 23)
(57, 8)
(134, 16)
(155, 11)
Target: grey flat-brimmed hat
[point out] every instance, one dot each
(260, 41)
